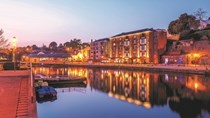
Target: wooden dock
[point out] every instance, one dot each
(17, 98)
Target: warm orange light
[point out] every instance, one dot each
(147, 105)
(196, 85)
(14, 41)
(196, 55)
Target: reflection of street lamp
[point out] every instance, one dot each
(13, 51)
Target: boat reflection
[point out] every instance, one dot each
(46, 99)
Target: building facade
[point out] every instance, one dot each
(188, 52)
(99, 50)
(141, 46)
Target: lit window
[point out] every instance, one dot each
(142, 54)
(143, 41)
(126, 43)
(126, 54)
(143, 47)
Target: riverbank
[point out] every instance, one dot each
(191, 69)
(17, 98)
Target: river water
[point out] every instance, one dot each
(126, 94)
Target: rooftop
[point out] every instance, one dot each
(132, 32)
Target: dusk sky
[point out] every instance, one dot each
(43, 21)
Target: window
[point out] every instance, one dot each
(142, 54)
(134, 41)
(143, 41)
(126, 43)
(126, 54)
(143, 47)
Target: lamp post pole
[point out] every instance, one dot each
(13, 51)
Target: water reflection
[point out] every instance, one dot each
(46, 99)
(187, 95)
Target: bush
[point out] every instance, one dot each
(196, 36)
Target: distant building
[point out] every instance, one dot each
(4, 56)
(43, 56)
(99, 50)
(140, 46)
(81, 56)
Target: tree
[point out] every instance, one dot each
(60, 45)
(200, 14)
(3, 42)
(34, 47)
(184, 23)
(53, 45)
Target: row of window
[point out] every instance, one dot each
(141, 54)
(142, 47)
(127, 42)
(134, 37)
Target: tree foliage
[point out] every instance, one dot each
(75, 43)
(200, 14)
(3, 42)
(185, 22)
(34, 47)
(53, 45)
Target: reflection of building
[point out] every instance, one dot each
(141, 46)
(99, 50)
(139, 88)
(64, 71)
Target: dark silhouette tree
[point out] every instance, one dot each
(34, 47)
(184, 23)
(200, 14)
(53, 45)
(60, 45)
(3, 42)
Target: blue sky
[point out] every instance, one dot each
(43, 21)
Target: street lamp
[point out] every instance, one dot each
(13, 51)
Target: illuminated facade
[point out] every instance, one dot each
(99, 50)
(141, 46)
(188, 52)
(45, 57)
(81, 56)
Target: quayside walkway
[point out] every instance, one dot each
(17, 98)
(192, 69)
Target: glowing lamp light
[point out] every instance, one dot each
(14, 41)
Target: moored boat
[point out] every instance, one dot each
(45, 91)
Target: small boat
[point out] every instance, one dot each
(40, 76)
(45, 91)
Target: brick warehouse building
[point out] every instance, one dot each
(140, 46)
(99, 50)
